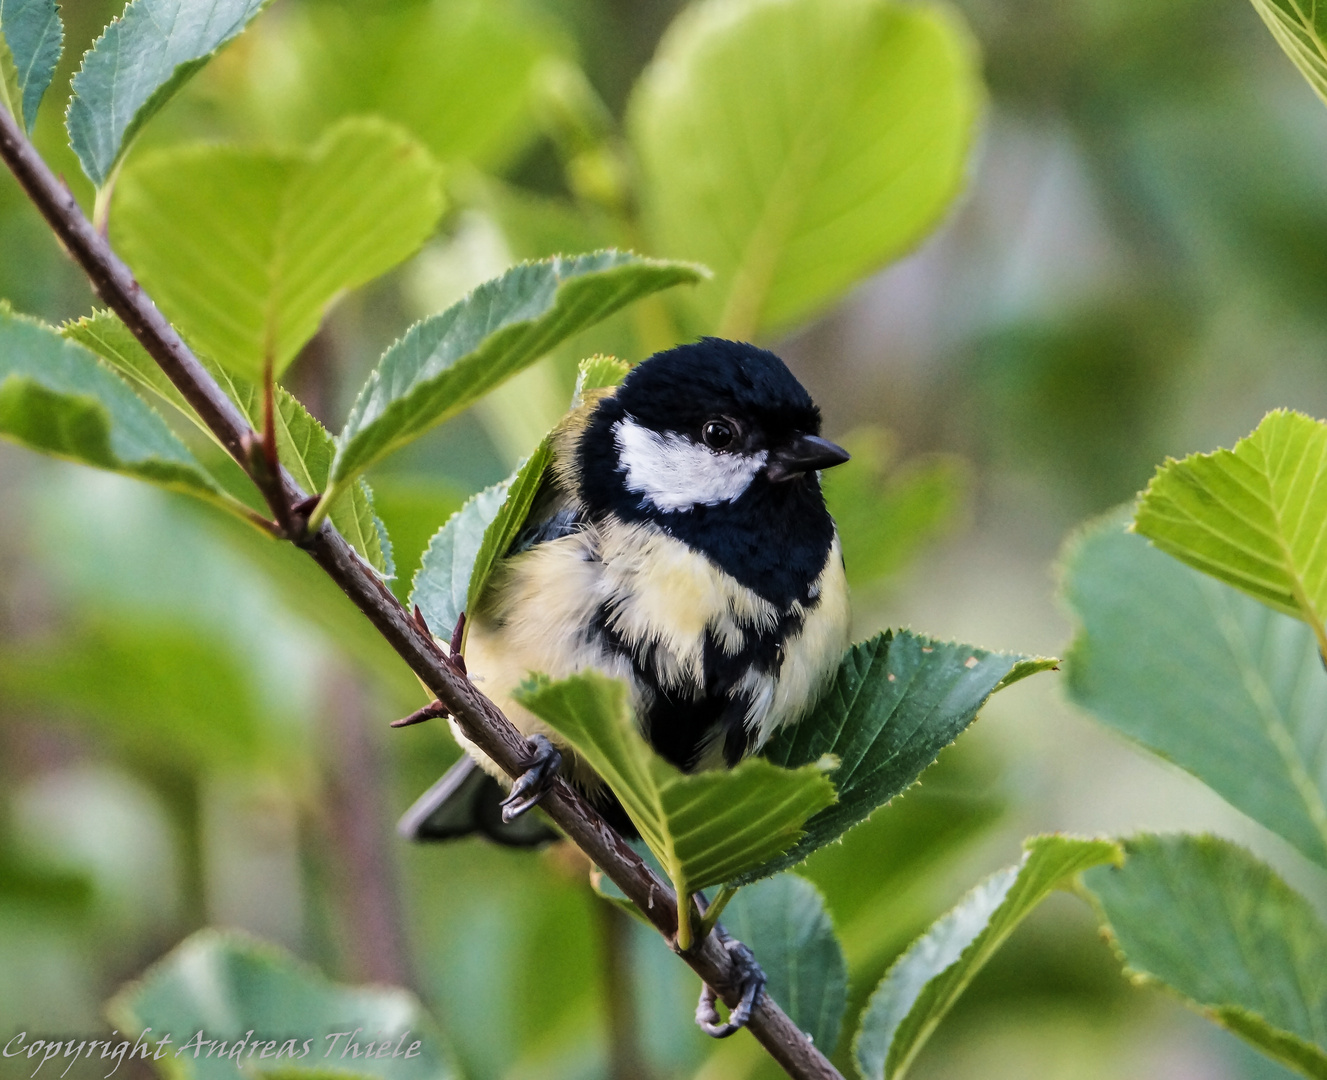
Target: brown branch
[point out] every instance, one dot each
(481, 720)
(626, 1059)
(356, 840)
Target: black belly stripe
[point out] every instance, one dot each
(680, 726)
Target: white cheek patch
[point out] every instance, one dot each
(674, 473)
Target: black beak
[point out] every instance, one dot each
(803, 454)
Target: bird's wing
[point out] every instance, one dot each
(553, 514)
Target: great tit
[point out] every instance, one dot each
(680, 542)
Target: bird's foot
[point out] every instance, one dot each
(752, 984)
(533, 784)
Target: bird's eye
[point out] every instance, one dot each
(718, 434)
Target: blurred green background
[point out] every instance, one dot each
(193, 724)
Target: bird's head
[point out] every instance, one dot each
(703, 425)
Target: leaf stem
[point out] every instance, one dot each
(319, 513)
(715, 909)
(266, 470)
(684, 930)
(478, 717)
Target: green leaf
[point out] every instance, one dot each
(502, 530)
(598, 373)
(461, 556)
(1254, 517)
(441, 588)
(456, 73)
(453, 577)
(31, 37)
(536, 226)
(411, 505)
(895, 703)
(911, 847)
(448, 361)
(1202, 675)
(30, 881)
(886, 514)
(306, 449)
(58, 398)
(303, 444)
(103, 333)
(923, 984)
(232, 988)
(166, 691)
(245, 249)
(1205, 918)
(704, 828)
(796, 147)
(1300, 28)
(783, 921)
(137, 65)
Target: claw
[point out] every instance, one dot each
(533, 784)
(752, 983)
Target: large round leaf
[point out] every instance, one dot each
(794, 146)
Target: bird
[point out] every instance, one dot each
(679, 541)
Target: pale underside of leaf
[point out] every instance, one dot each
(790, 185)
(1204, 918)
(502, 531)
(226, 984)
(1300, 28)
(246, 249)
(304, 446)
(1254, 517)
(31, 36)
(598, 373)
(459, 561)
(137, 65)
(1208, 678)
(442, 583)
(103, 333)
(705, 828)
(447, 362)
(925, 982)
(57, 397)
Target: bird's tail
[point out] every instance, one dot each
(465, 802)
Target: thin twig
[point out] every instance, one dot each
(435, 710)
(479, 718)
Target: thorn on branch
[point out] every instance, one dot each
(455, 657)
(434, 710)
(299, 516)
